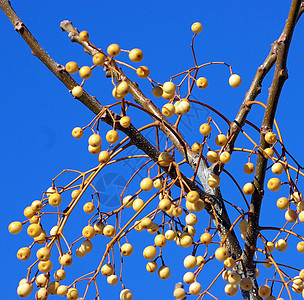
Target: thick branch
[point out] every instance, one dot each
(280, 75)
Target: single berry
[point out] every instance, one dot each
(197, 27)
(113, 50)
(136, 55)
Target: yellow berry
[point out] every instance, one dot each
(206, 238)
(84, 36)
(36, 205)
(116, 95)
(191, 219)
(25, 289)
(202, 82)
(85, 72)
(248, 188)
(235, 80)
(221, 253)
(179, 293)
(108, 230)
(300, 247)
(65, 260)
(164, 272)
(229, 264)
(249, 168)
(281, 245)
(15, 227)
(55, 199)
(197, 27)
(24, 253)
(165, 159)
(113, 50)
(136, 55)
(75, 193)
(99, 59)
(186, 240)
(122, 88)
(126, 294)
(274, 184)
(182, 107)
(126, 249)
(190, 262)
(160, 240)
(34, 230)
(112, 279)
(221, 140)
(195, 288)
(45, 266)
(125, 122)
(41, 280)
(234, 278)
(71, 67)
(143, 72)
(72, 294)
(146, 223)
(94, 150)
(205, 129)
(291, 215)
(231, 289)
(138, 204)
(43, 254)
(28, 212)
(167, 96)
(197, 148)
(149, 252)
(77, 132)
(264, 291)
(165, 204)
(246, 284)
(86, 246)
(268, 153)
(77, 91)
(212, 156)
(270, 137)
(225, 157)
(103, 157)
(214, 181)
(146, 184)
(169, 87)
(88, 232)
(277, 169)
(188, 277)
(59, 275)
(94, 140)
(88, 207)
(158, 183)
(168, 110)
(112, 136)
(192, 196)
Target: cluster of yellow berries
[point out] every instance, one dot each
(99, 59)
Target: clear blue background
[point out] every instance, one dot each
(38, 113)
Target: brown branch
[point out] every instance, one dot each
(281, 47)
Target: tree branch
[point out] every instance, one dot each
(280, 76)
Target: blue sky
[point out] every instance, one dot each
(38, 113)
